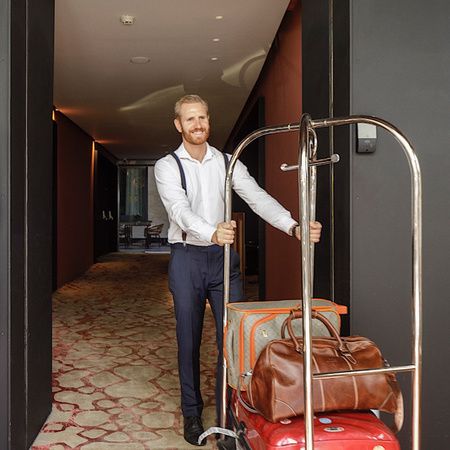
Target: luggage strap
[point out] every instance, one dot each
(246, 405)
(217, 430)
(183, 180)
(395, 427)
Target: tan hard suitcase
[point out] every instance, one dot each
(252, 325)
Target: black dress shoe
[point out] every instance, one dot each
(193, 428)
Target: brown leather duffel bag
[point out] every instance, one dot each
(276, 385)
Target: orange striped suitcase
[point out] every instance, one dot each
(252, 325)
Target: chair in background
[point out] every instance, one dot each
(153, 234)
(125, 234)
(138, 233)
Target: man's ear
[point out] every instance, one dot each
(177, 124)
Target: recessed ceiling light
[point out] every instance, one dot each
(139, 60)
(127, 19)
(216, 40)
(214, 58)
(219, 17)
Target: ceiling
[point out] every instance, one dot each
(128, 108)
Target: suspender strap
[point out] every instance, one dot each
(183, 179)
(227, 162)
(183, 185)
(182, 175)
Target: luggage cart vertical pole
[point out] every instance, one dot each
(312, 155)
(304, 208)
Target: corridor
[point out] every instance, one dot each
(115, 382)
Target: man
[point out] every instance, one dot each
(196, 234)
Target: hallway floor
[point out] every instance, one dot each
(115, 378)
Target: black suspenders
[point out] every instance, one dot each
(182, 175)
(183, 178)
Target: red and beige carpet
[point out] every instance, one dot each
(115, 380)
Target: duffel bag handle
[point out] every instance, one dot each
(298, 314)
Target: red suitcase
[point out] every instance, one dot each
(332, 431)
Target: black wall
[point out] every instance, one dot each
(26, 79)
(4, 222)
(319, 42)
(397, 67)
(105, 202)
(400, 71)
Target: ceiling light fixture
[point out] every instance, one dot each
(216, 40)
(127, 19)
(214, 58)
(219, 17)
(139, 60)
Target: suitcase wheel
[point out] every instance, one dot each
(228, 443)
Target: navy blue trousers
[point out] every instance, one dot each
(195, 275)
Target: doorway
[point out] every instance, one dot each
(26, 226)
(253, 158)
(143, 222)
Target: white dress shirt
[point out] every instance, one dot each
(203, 208)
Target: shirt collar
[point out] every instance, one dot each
(184, 154)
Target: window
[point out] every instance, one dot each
(133, 194)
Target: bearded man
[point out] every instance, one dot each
(191, 184)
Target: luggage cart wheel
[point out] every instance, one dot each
(229, 443)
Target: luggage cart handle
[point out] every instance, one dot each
(333, 159)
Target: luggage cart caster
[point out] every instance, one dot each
(229, 443)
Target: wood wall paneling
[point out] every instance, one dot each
(75, 234)
(280, 86)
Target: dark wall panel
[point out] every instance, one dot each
(254, 159)
(105, 204)
(75, 186)
(5, 90)
(315, 63)
(27, 219)
(391, 59)
(325, 26)
(17, 258)
(400, 71)
(280, 86)
(339, 179)
(39, 166)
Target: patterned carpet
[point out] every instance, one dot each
(115, 379)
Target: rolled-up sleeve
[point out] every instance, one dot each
(260, 201)
(175, 201)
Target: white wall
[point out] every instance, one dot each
(156, 212)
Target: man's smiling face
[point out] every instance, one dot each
(193, 123)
